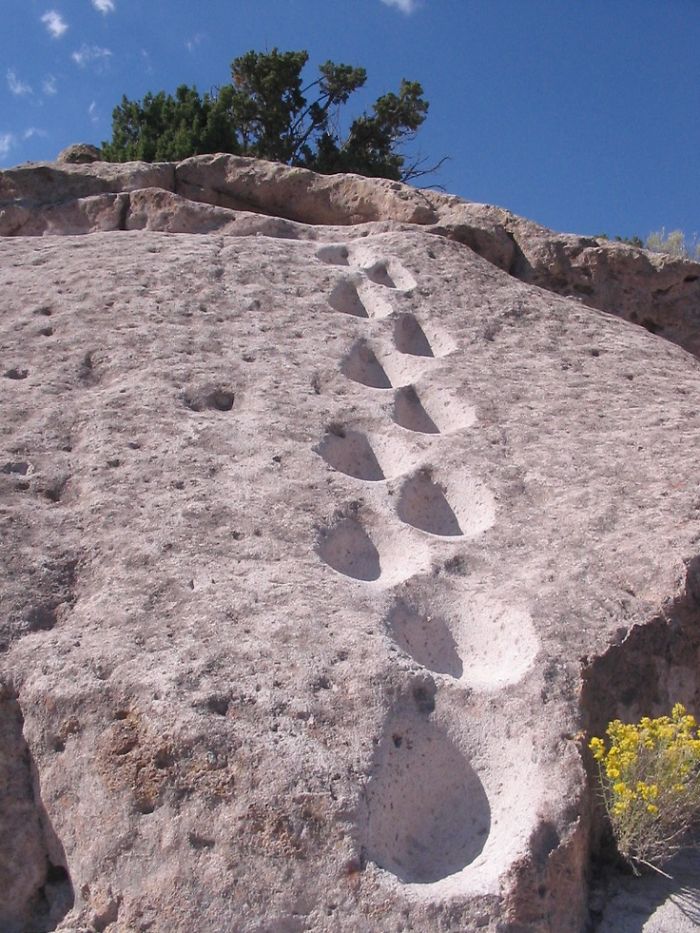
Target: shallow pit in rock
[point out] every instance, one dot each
(345, 299)
(348, 549)
(461, 506)
(429, 410)
(361, 365)
(429, 816)
(350, 452)
(426, 637)
(335, 254)
(213, 399)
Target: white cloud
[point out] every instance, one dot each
(49, 86)
(406, 6)
(104, 6)
(55, 23)
(16, 86)
(7, 141)
(33, 131)
(192, 43)
(90, 53)
(92, 112)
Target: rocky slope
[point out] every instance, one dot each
(659, 292)
(326, 527)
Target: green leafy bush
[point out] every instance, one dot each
(268, 112)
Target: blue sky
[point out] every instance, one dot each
(581, 114)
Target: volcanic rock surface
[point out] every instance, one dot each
(326, 528)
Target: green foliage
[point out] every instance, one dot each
(370, 148)
(163, 128)
(267, 112)
(650, 779)
(630, 241)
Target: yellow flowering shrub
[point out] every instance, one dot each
(650, 779)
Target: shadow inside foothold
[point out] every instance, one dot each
(410, 414)
(389, 273)
(345, 299)
(429, 816)
(422, 503)
(410, 338)
(350, 452)
(361, 365)
(348, 549)
(16, 373)
(427, 639)
(379, 274)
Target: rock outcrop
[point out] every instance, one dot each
(660, 292)
(326, 529)
(79, 153)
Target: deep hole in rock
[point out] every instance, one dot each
(200, 842)
(57, 874)
(424, 697)
(20, 467)
(86, 372)
(42, 618)
(221, 400)
(218, 705)
(54, 490)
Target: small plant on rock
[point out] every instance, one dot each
(674, 243)
(650, 780)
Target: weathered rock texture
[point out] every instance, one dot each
(660, 292)
(79, 152)
(323, 536)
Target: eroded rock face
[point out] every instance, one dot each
(659, 292)
(240, 196)
(34, 881)
(309, 534)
